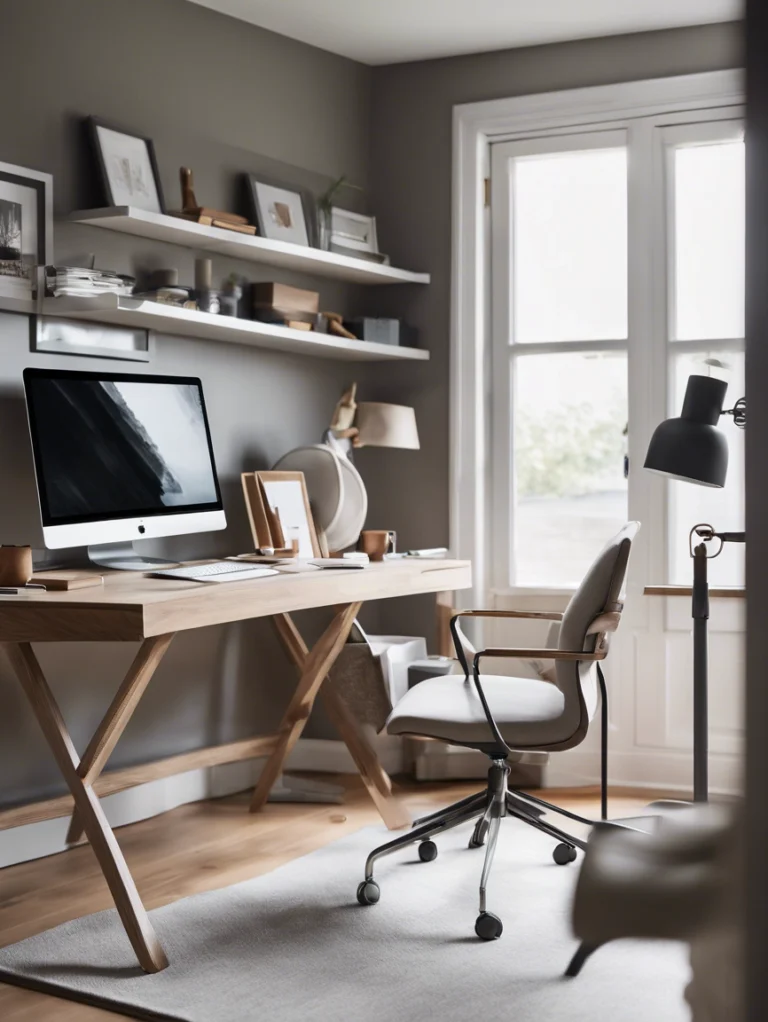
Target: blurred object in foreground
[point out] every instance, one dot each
(681, 882)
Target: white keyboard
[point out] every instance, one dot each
(216, 571)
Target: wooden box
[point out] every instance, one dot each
(290, 301)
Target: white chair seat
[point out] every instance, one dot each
(529, 713)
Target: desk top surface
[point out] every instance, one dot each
(131, 606)
(716, 592)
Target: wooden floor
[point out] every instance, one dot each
(199, 847)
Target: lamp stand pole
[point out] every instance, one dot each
(700, 614)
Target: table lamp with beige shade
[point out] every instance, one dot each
(336, 490)
(386, 425)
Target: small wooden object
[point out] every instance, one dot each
(336, 326)
(190, 207)
(67, 580)
(297, 307)
(203, 214)
(343, 421)
(15, 565)
(282, 296)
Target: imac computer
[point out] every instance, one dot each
(121, 457)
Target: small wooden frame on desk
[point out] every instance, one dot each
(269, 524)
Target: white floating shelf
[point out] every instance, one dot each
(176, 231)
(167, 319)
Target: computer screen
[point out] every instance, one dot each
(113, 446)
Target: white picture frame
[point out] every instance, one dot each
(354, 230)
(281, 213)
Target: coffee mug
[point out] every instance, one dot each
(15, 565)
(377, 542)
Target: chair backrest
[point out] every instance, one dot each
(592, 614)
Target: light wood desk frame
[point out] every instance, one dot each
(153, 611)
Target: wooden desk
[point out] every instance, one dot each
(131, 607)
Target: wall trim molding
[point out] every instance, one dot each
(48, 837)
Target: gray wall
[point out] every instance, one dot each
(222, 97)
(411, 154)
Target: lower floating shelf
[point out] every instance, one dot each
(167, 319)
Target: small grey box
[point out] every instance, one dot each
(378, 331)
(431, 667)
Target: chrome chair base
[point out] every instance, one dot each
(488, 808)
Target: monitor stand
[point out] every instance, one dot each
(123, 557)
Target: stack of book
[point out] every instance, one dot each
(181, 297)
(80, 282)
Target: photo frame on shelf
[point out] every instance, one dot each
(127, 166)
(280, 513)
(26, 229)
(282, 212)
(353, 230)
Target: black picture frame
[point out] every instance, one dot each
(308, 205)
(93, 124)
(42, 185)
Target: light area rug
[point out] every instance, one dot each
(295, 945)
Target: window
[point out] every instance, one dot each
(569, 222)
(569, 414)
(561, 300)
(617, 271)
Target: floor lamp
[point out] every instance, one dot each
(691, 448)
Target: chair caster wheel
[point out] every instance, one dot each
(478, 835)
(427, 851)
(368, 892)
(488, 926)
(563, 854)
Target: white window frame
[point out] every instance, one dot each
(475, 127)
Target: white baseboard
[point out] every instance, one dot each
(643, 768)
(36, 840)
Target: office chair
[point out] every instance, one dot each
(503, 716)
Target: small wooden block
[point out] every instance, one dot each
(58, 580)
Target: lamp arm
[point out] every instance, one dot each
(732, 537)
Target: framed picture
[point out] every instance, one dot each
(282, 214)
(128, 167)
(353, 230)
(279, 511)
(26, 228)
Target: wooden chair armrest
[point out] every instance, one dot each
(464, 649)
(540, 615)
(537, 654)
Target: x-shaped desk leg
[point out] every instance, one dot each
(371, 771)
(81, 774)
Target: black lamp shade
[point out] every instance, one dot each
(692, 447)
